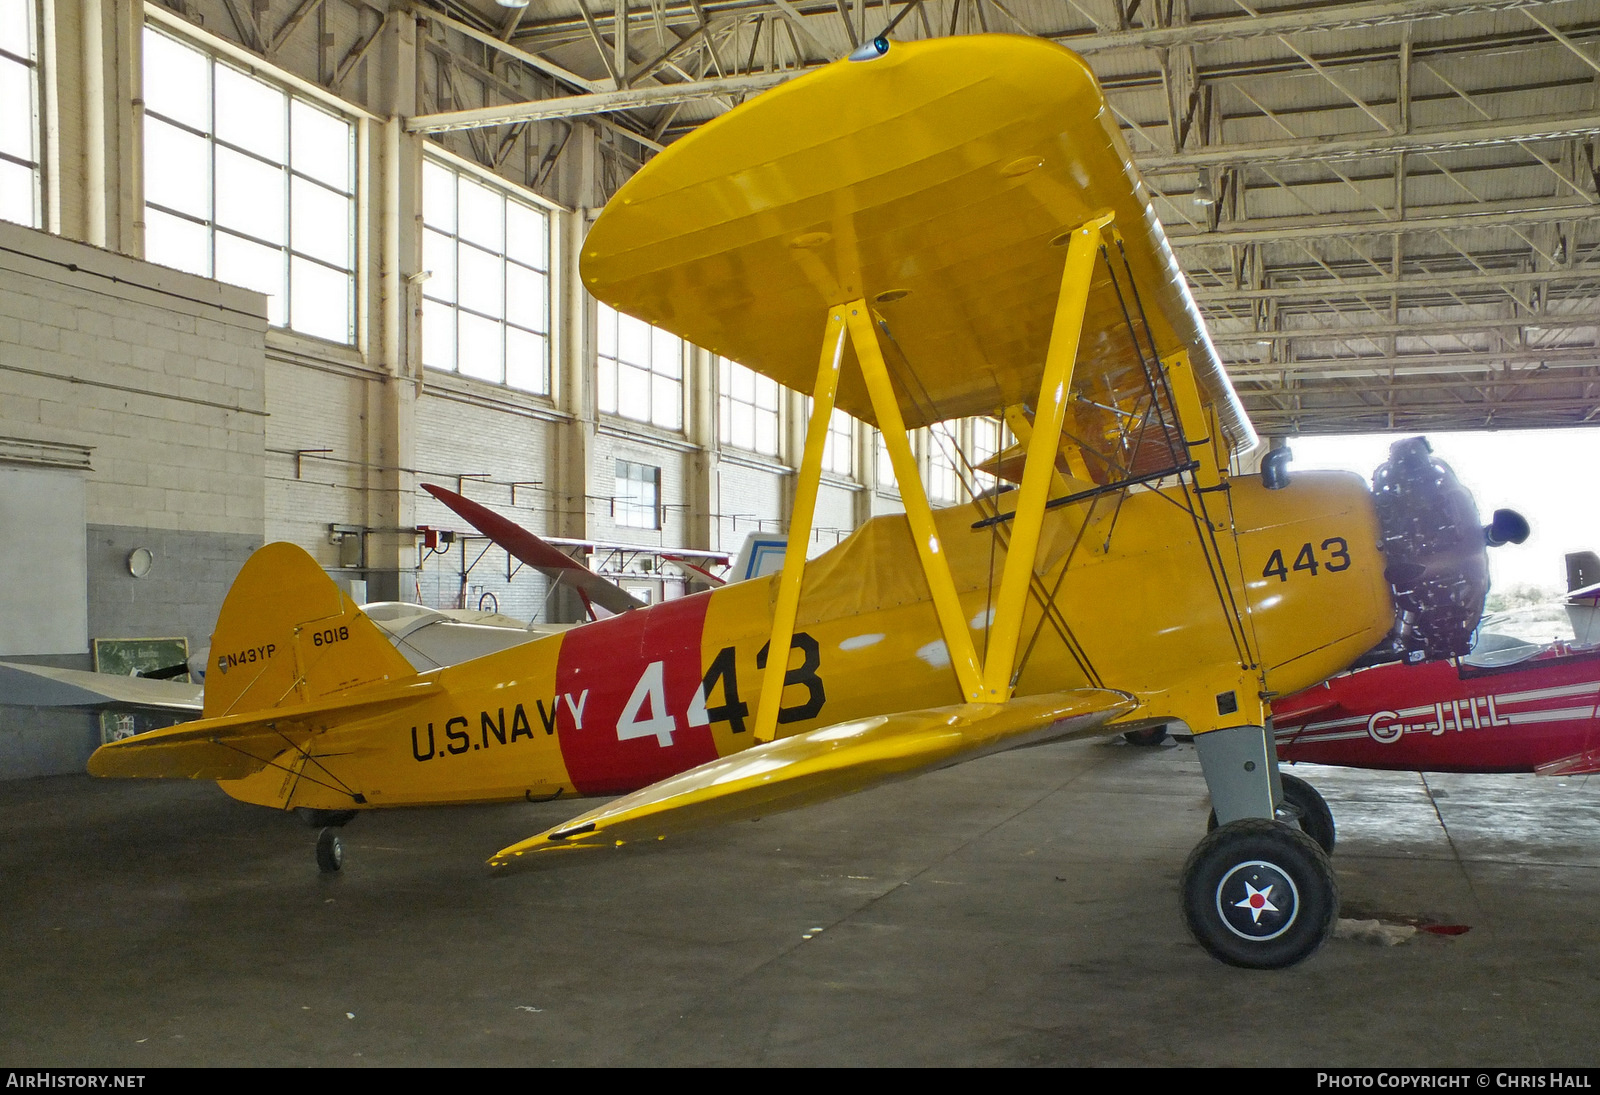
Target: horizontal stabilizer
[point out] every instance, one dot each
(234, 746)
(47, 686)
(826, 763)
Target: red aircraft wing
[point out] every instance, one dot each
(527, 547)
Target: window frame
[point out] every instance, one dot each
(940, 470)
(840, 442)
(216, 53)
(509, 193)
(626, 503)
(730, 407)
(883, 477)
(616, 363)
(33, 65)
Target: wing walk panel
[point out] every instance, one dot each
(826, 763)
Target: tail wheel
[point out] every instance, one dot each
(330, 851)
(1303, 806)
(1259, 894)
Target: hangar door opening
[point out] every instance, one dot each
(44, 596)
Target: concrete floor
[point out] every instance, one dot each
(1022, 909)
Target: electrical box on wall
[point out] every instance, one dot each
(350, 551)
(435, 538)
(352, 544)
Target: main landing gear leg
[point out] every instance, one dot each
(1256, 892)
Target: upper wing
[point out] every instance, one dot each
(46, 686)
(937, 183)
(825, 763)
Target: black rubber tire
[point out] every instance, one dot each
(330, 851)
(1259, 894)
(1150, 736)
(1316, 820)
(1309, 809)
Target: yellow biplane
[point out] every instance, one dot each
(939, 229)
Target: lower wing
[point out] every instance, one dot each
(47, 686)
(826, 763)
(1586, 763)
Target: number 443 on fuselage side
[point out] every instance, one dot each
(951, 227)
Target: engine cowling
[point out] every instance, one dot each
(1436, 561)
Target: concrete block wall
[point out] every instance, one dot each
(182, 593)
(836, 514)
(159, 376)
(467, 431)
(750, 497)
(316, 405)
(618, 441)
(159, 372)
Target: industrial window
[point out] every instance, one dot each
(486, 302)
(839, 451)
(19, 114)
(839, 454)
(636, 502)
(747, 406)
(986, 435)
(952, 446)
(885, 466)
(944, 486)
(641, 371)
(250, 185)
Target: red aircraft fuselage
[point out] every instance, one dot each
(1536, 715)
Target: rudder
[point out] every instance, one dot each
(288, 635)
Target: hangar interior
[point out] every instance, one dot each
(270, 265)
(267, 266)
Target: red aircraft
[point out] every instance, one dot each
(1507, 707)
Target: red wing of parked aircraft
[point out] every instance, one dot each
(935, 229)
(546, 558)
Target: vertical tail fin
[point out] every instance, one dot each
(287, 635)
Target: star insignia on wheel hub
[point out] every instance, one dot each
(1257, 901)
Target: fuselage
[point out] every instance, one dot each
(1283, 589)
(1441, 717)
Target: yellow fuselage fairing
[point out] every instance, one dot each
(620, 703)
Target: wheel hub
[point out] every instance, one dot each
(1257, 901)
